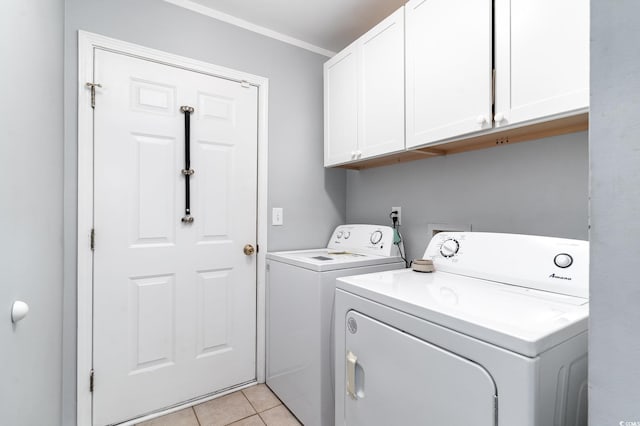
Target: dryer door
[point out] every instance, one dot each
(393, 378)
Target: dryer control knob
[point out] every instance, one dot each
(376, 236)
(449, 248)
(563, 260)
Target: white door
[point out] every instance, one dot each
(381, 98)
(542, 58)
(341, 107)
(397, 379)
(449, 69)
(174, 303)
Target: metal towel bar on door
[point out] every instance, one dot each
(187, 171)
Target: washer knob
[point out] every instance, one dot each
(449, 248)
(376, 236)
(339, 234)
(563, 260)
(347, 234)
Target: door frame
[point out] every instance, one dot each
(87, 43)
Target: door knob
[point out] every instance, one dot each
(249, 250)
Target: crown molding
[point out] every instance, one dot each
(216, 14)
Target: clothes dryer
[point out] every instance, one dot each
(497, 335)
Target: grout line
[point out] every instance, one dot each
(196, 415)
(255, 412)
(250, 403)
(245, 397)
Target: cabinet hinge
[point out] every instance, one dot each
(93, 239)
(91, 381)
(92, 87)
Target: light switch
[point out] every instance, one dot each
(277, 216)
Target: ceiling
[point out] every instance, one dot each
(330, 25)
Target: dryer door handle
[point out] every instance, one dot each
(352, 360)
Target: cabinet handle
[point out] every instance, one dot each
(359, 154)
(353, 155)
(481, 119)
(498, 117)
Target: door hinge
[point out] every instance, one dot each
(495, 408)
(91, 381)
(92, 87)
(245, 83)
(93, 239)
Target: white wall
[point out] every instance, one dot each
(614, 140)
(31, 44)
(536, 187)
(313, 199)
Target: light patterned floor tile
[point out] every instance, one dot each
(279, 416)
(261, 397)
(249, 421)
(184, 417)
(224, 410)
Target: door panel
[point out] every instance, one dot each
(401, 380)
(341, 107)
(542, 58)
(381, 95)
(174, 303)
(449, 69)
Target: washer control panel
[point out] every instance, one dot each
(364, 239)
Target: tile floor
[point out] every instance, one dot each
(254, 406)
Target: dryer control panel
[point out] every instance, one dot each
(558, 265)
(364, 239)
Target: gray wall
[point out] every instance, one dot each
(536, 187)
(297, 180)
(614, 139)
(31, 42)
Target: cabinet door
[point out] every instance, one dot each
(381, 100)
(542, 59)
(395, 379)
(341, 107)
(448, 68)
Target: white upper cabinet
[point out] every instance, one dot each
(542, 59)
(450, 72)
(341, 107)
(382, 87)
(448, 69)
(364, 95)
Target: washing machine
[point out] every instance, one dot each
(497, 335)
(300, 294)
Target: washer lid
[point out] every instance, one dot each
(523, 320)
(322, 260)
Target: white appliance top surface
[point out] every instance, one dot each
(322, 260)
(523, 320)
(350, 246)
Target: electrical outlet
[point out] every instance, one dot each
(277, 216)
(398, 215)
